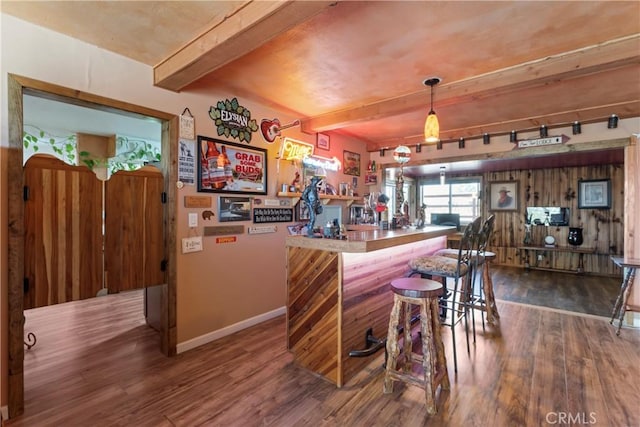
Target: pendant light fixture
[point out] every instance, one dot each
(431, 125)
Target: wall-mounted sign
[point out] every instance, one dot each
(322, 162)
(262, 215)
(197, 201)
(233, 120)
(218, 230)
(295, 150)
(230, 239)
(187, 125)
(538, 142)
(187, 162)
(226, 167)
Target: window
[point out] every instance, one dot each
(458, 195)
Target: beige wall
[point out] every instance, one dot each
(221, 286)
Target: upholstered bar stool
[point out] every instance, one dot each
(424, 293)
(457, 269)
(480, 297)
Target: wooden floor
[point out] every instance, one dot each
(97, 364)
(565, 291)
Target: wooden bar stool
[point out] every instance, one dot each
(424, 293)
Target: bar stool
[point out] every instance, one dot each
(480, 297)
(457, 269)
(408, 292)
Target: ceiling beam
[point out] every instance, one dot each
(248, 28)
(561, 119)
(588, 60)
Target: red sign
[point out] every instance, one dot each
(230, 239)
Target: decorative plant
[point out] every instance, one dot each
(64, 147)
(131, 154)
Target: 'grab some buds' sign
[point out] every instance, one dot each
(233, 120)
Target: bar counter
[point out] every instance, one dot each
(339, 289)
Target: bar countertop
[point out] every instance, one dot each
(370, 240)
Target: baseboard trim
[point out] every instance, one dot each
(4, 412)
(220, 333)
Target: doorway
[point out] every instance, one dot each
(85, 237)
(17, 87)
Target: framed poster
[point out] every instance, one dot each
(351, 163)
(234, 208)
(225, 167)
(503, 196)
(322, 141)
(594, 194)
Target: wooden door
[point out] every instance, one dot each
(63, 232)
(134, 232)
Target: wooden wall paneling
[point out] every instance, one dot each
(312, 315)
(63, 241)
(602, 228)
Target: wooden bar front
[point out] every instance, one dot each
(338, 289)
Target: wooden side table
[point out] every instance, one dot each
(550, 249)
(622, 306)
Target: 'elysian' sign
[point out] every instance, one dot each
(233, 120)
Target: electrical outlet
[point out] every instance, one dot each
(193, 219)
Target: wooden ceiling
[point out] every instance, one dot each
(357, 67)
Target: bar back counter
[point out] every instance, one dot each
(339, 289)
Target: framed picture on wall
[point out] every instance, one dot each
(594, 194)
(351, 163)
(322, 141)
(503, 196)
(234, 208)
(225, 167)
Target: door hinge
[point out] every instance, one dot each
(163, 265)
(164, 197)
(26, 285)
(25, 193)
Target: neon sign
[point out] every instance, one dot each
(322, 162)
(295, 150)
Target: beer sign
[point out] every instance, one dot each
(292, 149)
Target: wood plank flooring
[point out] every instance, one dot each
(565, 291)
(97, 364)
